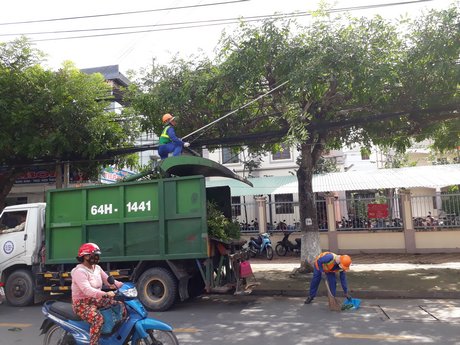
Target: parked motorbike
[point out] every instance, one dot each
(63, 327)
(262, 245)
(285, 245)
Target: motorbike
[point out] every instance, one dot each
(262, 245)
(63, 327)
(285, 245)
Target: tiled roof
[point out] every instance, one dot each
(111, 72)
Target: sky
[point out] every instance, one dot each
(135, 51)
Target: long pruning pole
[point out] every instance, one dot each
(234, 111)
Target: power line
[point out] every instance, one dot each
(197, 24)
(122, 13)
(222, 21)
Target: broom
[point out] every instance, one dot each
(334, 304)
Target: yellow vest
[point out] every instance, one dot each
(164, 137)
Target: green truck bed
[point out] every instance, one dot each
(148, 220)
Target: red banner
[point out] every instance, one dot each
(377, 211)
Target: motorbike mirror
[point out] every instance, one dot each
(111, 280)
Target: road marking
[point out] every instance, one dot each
(186, 330)
(375, 336)
(19, 325)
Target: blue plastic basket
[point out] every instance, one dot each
(111, 316)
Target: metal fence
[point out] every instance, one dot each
(436, 211)
(355, 214)
(281, 216)
(246, 215)
(429, 212)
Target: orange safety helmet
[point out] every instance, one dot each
(345, 262)
(88, 249)
(167, 118)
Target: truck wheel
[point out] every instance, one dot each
(157, 289)
(19, 288)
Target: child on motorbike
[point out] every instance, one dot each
(87, 296)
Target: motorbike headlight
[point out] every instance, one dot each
(130, 293)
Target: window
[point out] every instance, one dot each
(236, 206)
(284, 203)
(13, 221)
(228, 156)
(283, 153)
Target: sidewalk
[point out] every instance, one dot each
(371, 276)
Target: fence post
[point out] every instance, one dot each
(409, 231)
(332, 233)
(262, 212)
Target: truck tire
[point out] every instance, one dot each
(157, 289)
(19, 288)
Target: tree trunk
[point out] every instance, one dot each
(307, 207)
(6, 183)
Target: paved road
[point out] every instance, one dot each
(252, 320)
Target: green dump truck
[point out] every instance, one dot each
(152, 232)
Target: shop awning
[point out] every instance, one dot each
(437, 176)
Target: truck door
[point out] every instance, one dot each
(13, 234)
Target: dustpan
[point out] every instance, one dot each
(351, 304)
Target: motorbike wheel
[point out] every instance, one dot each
(58, 336)
(280, 250)
(252, 252)
(159, 337)
(269, 252)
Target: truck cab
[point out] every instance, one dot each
(21, 238)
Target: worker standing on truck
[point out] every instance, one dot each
(330, 264)
(169, 142)
(87, 296)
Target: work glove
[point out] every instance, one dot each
(186, 144)
(348, 296)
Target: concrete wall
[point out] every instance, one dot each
(438, 241)
(353, 242)
(371, 242)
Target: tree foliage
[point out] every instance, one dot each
(51, 116)
(350, 80)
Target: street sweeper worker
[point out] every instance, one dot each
(169, 142)
(329, 264)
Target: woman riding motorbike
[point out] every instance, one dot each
(87, 296)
